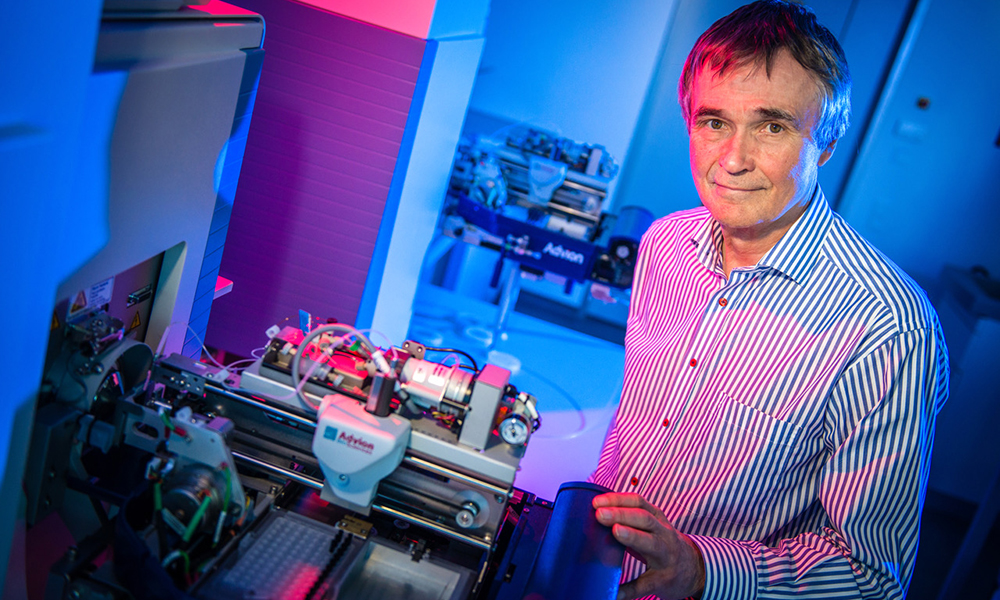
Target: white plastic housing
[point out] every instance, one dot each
(356, 450)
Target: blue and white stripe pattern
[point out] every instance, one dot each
(784, 417)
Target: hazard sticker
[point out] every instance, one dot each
(55, 322)
(79, 303)
(96, 296)
(136, 322)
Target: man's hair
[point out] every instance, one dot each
(754, 34)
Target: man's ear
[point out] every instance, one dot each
(827, 153)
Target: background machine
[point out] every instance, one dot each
(541, 200)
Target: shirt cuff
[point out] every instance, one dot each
(730, 570)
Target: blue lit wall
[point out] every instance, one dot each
(53, 189)
(924, 184)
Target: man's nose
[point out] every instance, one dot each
(738, 154)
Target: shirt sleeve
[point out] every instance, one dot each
(879, 430)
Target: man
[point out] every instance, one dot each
(782, 377)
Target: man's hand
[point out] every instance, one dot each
(675, 567)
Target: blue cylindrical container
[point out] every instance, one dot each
(632, 222)
(578, 557)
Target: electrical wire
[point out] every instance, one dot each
(298, 383)
(458, 361)
(174, 556)
(166, 334)
(231, 367)
(196, 519)
(300, 386)
(475, 365)
(161, 527)
(225, 504)
(187, 563)
(384, 337)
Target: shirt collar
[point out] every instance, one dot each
(794, 254)
(707, 242)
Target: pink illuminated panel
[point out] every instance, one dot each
(219, 8)
(412, 17)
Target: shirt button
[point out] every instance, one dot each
(666, 422)
(694, 362)
(634, 482)
(723, 302)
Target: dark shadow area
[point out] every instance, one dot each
(944, 525)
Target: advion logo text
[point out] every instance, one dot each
(358, 443)
(564, 253)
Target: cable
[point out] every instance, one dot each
(163, 340)
(458, 361)
(206, 353)
(204, 349)
(232, 366)
(174, 556)
(384, 337)
(298, 389)
(299, 384)
(161, 526)
(225, 505)
(475, 365)
(196, 519)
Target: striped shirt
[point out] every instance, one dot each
(782, 417)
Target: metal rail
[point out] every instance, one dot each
(468, 539)
(446, 472)
(299, 477)
(261, 405)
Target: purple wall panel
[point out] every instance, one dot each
(332, 104)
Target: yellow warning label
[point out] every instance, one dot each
(80, 303)
(135, 322)
(55, 322)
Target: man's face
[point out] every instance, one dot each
(753, 156)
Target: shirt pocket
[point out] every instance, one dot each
(740, 471)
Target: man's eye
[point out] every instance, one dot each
(714, 124)
(774, 128)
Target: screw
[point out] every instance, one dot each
(464, 519)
